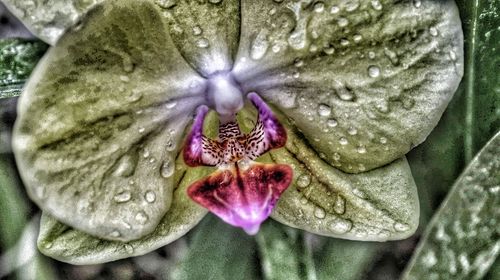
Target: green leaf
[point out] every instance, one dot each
(101, 121)
(461, 241)
(364, 84)
(13, 214)
(218, 251)
(18, 57)
(281, 252)
(480, 87)
(344, 259)
(49, 19)
(66, 244)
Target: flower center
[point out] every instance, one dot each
(226, 95)
(241, 192)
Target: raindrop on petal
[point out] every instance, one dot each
(319, 212)
(141, 217)
(123, 196)
(150, 196)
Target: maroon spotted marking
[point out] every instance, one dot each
(243, 198)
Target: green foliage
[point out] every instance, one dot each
(461, 241)
(218, 251)
(18, 57)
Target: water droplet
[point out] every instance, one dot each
(150, 196)
(401, 227)
(202, 43)
(433, 31)
(167, 169)
(125, 167)
(361, 149)
(124, 78)
(351, 6)
(344, 42)
(171, 104)
(336, 156)
(344, 93)
(165, 4)
(134, 96)
(141, 217)
(215, 1)
(319, 7)
(453, 55)
(342, 22)
(48, 245)
(303, 181)
(298, 62)
(197, 30)
(359, 193)
(352, 130)
(115, 234)
(376, 5)
(393, 57)
(40, 191)
(313, 48)
(152, 160)
(341, 226)
(122, 196)
(371, 55)
(259, 45)
(334, 9)
(170, 145)
(303, 200)
(141, 129)
(128, 248)
(296, 75)
(275, 48)
(383, 106)
(383, 140)
(339, 206)
(357, 38)
(429, 259)
(343, 141)
(324, 110)
(417, 3)
(145, 153)
(332, 122)
(361, 167)
(373, 71)
(319, 212)
(329, 50)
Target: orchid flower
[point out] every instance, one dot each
(144, 116)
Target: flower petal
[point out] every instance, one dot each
(364, 81)
(67, 244)
(243, 198)
(101, 120)
(205, 32)
(378, 205)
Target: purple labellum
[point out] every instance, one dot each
(242, 192)
(243, 198)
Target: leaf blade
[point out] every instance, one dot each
(462, 235)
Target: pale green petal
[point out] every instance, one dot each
(101, 120)
(69, 245)
(48, 19)
(377, 205)
(205, 32)
(365, 81)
